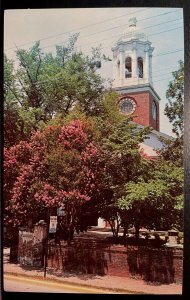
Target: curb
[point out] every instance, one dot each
(56, 280)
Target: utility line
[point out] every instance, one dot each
(117, 34)
(165, 31)
(96, 24)
(102, 40)
(163, 79)
(60, 76)
(162, 74)
(127, 24)
(95, 42)
(169, 52)
(162, 69)
(158, 75)
(80, 28)
(151, 35)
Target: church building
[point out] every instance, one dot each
(132, 80)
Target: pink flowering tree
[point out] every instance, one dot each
(58, 167)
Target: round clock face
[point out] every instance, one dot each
(127, 106)
(154, 110)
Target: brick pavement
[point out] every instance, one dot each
(115, 283)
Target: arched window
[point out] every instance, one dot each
(128, 67)
(140, 67)
(118, 68)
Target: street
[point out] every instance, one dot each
(21, 284)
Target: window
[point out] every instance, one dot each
(154, 110)
(118, 68)
(128, 67)
(140, 67)
(127, 105)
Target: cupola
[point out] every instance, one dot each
(132, 58)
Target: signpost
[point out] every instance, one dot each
(53, 224)
(52, 229)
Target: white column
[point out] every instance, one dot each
(134, 64)
(122, 66)
(150, 67)
(115, 73)
(147, 67)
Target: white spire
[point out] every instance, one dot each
(133, 32)
(132, 57)
(132, 22)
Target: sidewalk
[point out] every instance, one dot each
(114, 283)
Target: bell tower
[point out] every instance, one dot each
(132, 77)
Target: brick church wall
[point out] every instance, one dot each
(91, 256)
(142, 108)
(143, 112)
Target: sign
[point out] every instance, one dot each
(53, 224)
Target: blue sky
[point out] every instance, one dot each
(102, 26)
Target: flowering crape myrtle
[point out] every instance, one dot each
(59, 167)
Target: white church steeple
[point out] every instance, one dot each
(132, 58)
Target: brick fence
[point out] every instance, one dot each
(95, 256)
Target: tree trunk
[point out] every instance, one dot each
(112, 227)
(14, 245)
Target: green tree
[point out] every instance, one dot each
(124, 162)
(173, 150)
(12, 121)
(44, 85)
(155, 203)
(175, 96)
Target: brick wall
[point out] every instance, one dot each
(91, 256)
(143, 112)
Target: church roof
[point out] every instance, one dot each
(157, 133)
(153, 142)
(163, 135)
(133, 32)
